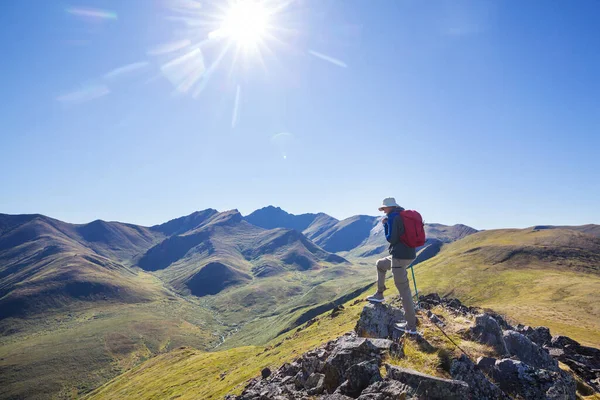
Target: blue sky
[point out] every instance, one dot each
(475, 112)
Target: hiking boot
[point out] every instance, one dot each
(376, 298)
(402, 327)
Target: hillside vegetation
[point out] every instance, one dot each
(547, 277)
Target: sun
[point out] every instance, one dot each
(246, 22)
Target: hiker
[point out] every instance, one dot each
(400, 258)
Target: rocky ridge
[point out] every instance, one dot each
(522, 362)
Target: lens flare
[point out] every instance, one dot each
(92, 13)
(327, 58)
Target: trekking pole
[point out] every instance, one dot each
(415, 283)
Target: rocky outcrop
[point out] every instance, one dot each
(488, 331)
(525, 365)
(480, 387)
(530, 353)
(378, 319)
(429, 387)
(583, 360)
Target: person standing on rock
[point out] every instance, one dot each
(400, 258)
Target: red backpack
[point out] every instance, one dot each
(414, 229)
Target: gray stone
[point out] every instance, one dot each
(488, 331)
(290, 369)
(480, 387)
(348, 352)
(516, 377)
(387, 390)
(359, 376)
(311, 364)
(315, 384)
(299, 380)
(336, 396)
(377, 321)
(387, 346)
(287, 379)
(429, 386)
(562, 341)
(486, 363)
(540, 335)
(530, 353)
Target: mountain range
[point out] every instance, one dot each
(115, 294)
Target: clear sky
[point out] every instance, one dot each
(479, 112)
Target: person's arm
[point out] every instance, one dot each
(390, 231)
(394, 229)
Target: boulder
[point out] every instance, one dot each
(486, 363)
(348, 352)
(358, 377)
(517, 378)
(540, 335)
(530, 353)
(488, 331)
(480, 387)
(336, 396)
(387, 390)
(428, 386)
(562, 341)
(583, 360)
(315, 384)
(377, 321)
(265, 373)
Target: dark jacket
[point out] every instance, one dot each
(394, 228)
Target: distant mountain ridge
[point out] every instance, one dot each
(361, 235)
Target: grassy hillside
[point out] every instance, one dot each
(539, 277)
(70, 352)
(76, 310)
(190, 374)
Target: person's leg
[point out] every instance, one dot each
(403, 286)
(383, 265)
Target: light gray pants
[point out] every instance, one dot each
(398, 267)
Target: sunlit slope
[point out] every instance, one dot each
(48, 264)
(193, 374)
(539, 277)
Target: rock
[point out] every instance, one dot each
(530, 353)
(540, 335)
(486, 363)
(387, 390)
(351, 350)
(265, 373)
(288, 369)
(500, 320)
(315, 384)
(337, 310)
(563, 341)
(358, 377)
(336, 396)
(480, 387)
(311, 364)
(377, 321)
(300, 380)
(583, 360)
(435, 319)
(488, 331)
(388, 346)
(516, 377)
(428, 386)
